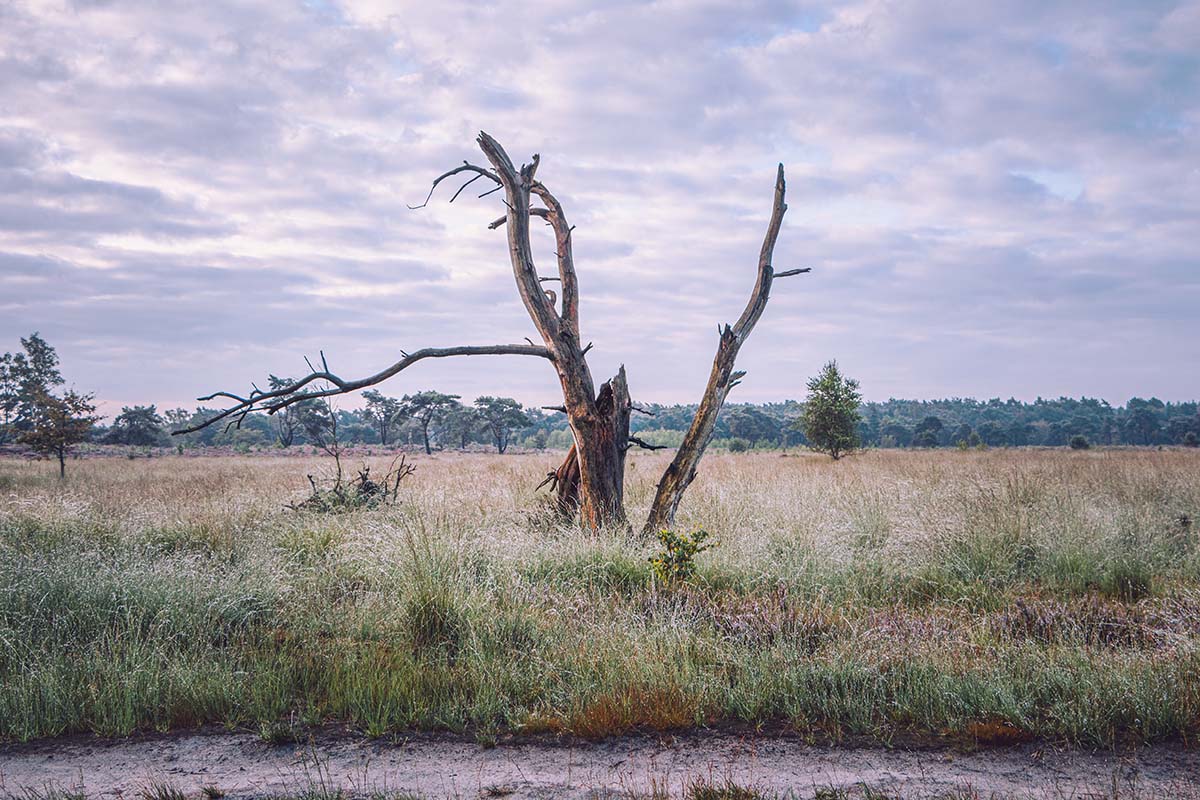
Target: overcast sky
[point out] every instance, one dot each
(996, 198)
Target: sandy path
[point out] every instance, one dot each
(243, 766)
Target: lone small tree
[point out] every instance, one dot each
(831, 415)
(501, 415)
(56, 424)
(383, 413)
(137, 425)
(591, 478)
(426, 408)
(287, 421)
(24, 377)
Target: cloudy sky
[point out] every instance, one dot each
(996, 198)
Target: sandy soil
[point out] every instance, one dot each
(436, 767)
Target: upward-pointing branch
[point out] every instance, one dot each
(682, 469)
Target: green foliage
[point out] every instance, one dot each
(426, 408)
(702, 789)
(676, 562)
(138, 425)
(501, 416)
(25, 377)
(384, 414)
(831, 417)
(1079, 442)
(56, 424)
(738, 445)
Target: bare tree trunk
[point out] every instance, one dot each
(62, 464)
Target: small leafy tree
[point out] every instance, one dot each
(502, 415)
(287, 421)
(461, 424)
(426, 408)
(56, 424)
(1190, 439)
(1079, 442)
(138, 425)
(25, 377)
(831, 415)
(676, 562)
(319, 420)
(383, 413)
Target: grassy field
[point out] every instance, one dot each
(988, 596)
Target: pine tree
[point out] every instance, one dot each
(831, 415)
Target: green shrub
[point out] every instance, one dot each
(677, 560)
(1079, 442)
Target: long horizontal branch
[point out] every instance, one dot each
(284, 396)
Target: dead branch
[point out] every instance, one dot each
(682, 469)
(481, 172)
(274, 400)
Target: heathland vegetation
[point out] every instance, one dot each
(977, 595)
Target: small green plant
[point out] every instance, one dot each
(677, 560)
(161, 790)
(728, 790)
(1079, 442)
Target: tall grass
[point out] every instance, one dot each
(978, 595)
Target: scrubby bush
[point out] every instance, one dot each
(677, 560)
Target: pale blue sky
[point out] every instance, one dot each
(995, 198)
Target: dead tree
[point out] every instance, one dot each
(591, 479)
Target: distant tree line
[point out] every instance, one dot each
(958, 422)
(35, 413)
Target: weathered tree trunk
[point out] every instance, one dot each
(609, 440)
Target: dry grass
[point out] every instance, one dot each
(981, 595)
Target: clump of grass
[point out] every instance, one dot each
(435, 620)
(703, 789)
(161, 790)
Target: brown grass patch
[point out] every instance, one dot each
(656, 708)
